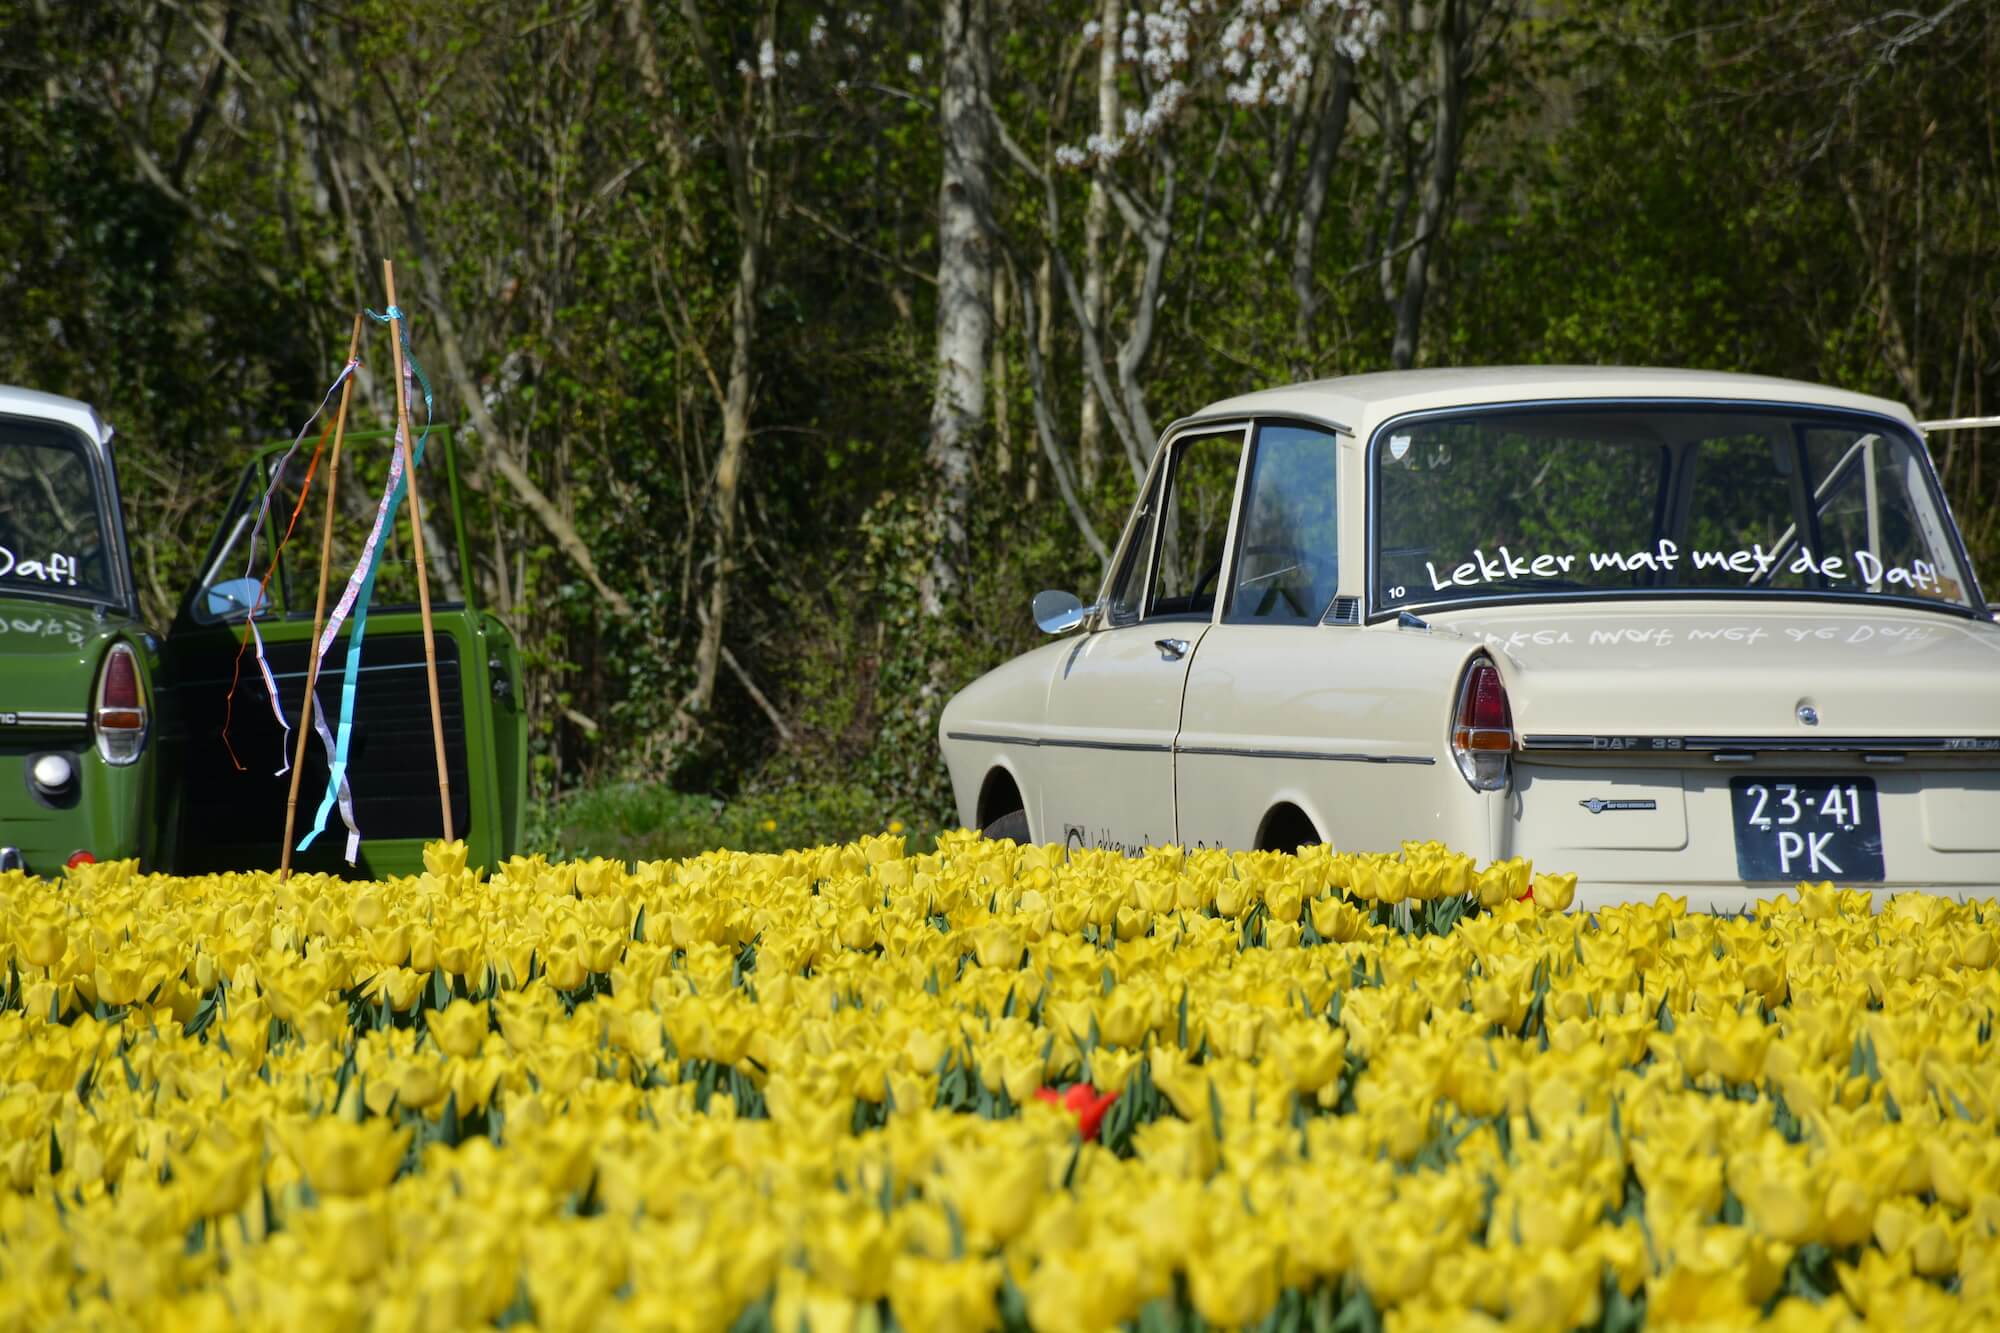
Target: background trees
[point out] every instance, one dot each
(794, 348)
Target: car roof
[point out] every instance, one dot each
(1351, 400)
(18, 402)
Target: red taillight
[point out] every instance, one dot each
(79, 857)
(1483, 736)
(121, 707)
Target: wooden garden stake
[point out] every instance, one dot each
(319, 607)
(417, 546)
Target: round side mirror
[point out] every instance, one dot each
(1056, 612)
(234, 597)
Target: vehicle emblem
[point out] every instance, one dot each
(1809, 715)
(1597, 805)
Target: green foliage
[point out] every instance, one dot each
(632, 821)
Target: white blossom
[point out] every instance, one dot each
(767, 60)
(1254, 52)
(916, 63)
(1069, 155)
(817, 36)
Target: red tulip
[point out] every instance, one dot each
(1082, 1101)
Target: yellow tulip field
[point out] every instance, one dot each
(989, 1086)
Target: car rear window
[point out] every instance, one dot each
(1646, 499)
(52, 537)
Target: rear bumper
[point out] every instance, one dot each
(1672, 829)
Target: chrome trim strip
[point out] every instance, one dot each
(1132, 747)
(1329, 756)
(31, 718)
(1203, 419)
(1060, 743)
(1222, 751)
(1809, 745)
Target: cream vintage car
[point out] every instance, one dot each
(1666, 629)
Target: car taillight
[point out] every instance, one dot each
(1483, 737)
(121, 707)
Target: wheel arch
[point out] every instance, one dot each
(1286, 827)
(999, 794)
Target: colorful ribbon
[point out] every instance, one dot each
(355, 599)
(252, 634)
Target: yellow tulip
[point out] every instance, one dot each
(944, 1296)
(43, 942)
(1233, 1283)
(340, 1157)
(218, 1179)
(994, 1192)
(445, 859)
(1395, 1264)
(998, 944)
(1554, 893)
(850, 1252)
(459, 1028)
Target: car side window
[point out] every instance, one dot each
(1122, 604)
(1287, 556)
(1194, 523)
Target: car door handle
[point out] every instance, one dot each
(1172, 650)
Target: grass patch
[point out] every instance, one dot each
(644, 821)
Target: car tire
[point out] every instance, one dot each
(1013, 824)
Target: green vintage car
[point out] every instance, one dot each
(112, 738)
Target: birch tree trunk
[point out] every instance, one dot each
(965, 287)
(1096, 222)
(743, 135)
(729, 466)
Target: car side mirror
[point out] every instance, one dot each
(1056, 612)
(234, 597)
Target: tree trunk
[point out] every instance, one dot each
(729, 468)
(1448, 57)
(749, 186)
(1327, 136)
(1096, 222)
(965, 292)
(1003, 429)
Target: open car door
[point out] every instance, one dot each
(224, 784)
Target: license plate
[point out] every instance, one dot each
(1793, 829)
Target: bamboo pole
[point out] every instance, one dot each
(417, 547)
(319, 607)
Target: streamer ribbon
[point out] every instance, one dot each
(355, 599)
(251, 632)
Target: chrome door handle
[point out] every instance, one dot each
(1172, 650)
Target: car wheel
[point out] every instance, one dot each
(1013, 824)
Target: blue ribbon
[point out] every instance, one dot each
(350, 672)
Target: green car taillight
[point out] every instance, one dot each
(120, 716)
